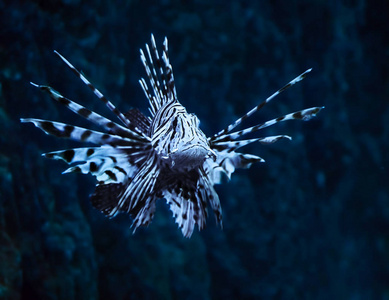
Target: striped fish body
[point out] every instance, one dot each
(177, 138)
(164, 155)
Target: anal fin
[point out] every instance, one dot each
(105, 198)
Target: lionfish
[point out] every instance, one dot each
(164, 155)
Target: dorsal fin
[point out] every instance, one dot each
(136, 117)
(160, 74)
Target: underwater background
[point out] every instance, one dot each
(310, 223)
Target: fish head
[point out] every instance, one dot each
(184, 146)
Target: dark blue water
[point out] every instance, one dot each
(310, 223)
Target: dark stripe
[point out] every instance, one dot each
(298, 115)
(50, 128)
(176, 202)
(174, 124)
(259, 106)
(85, 135)
(76, 170)
(111, 175)
(121, 170)
(64, 101)
(68, 131)
(75, 71)
(92, 166)
(68, 155)
(284, 88)
(116, 111)
(91, 86)
(182, 127)
(90, 152)
(84, 112)
(244, 117)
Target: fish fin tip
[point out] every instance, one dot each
(34, 84)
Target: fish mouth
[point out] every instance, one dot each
(188, 157)
(201, 151)
(194, 146)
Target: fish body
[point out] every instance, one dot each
(164, 155)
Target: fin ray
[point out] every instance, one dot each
(259, 106)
